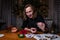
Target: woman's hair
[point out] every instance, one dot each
(34, 11)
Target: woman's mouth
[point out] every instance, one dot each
(30, 16)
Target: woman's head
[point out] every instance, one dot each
(29, 11)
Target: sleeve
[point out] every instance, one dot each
(40, 19)
(24, 24)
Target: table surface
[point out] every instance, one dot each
(14, 36)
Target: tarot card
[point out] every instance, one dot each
(1, 35)
(29, 35)
(37, 36)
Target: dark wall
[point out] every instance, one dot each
(0, 9)
(6, 11)
(6, 14)
(56, 13)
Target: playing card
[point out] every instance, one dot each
(44, 39)
(29, 35)
(57, 38)
(1, 35)
(37, 36)
(41, 37)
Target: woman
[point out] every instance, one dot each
(32, 22)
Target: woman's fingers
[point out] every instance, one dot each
(27, 29)
(33, 30)
(41, 26)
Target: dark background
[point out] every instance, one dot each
(7, 17)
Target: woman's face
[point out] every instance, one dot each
(29, 12)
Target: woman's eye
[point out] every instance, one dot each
(29, 11)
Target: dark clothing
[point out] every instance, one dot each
(32, 22)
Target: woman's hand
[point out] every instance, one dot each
(33, 30)
(41, 26)
(27, 29)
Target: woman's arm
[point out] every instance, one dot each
(41, 23)
(24, 24)
(27, 29)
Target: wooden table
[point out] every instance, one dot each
(13, 36)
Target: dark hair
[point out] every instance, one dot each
(34, 11)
